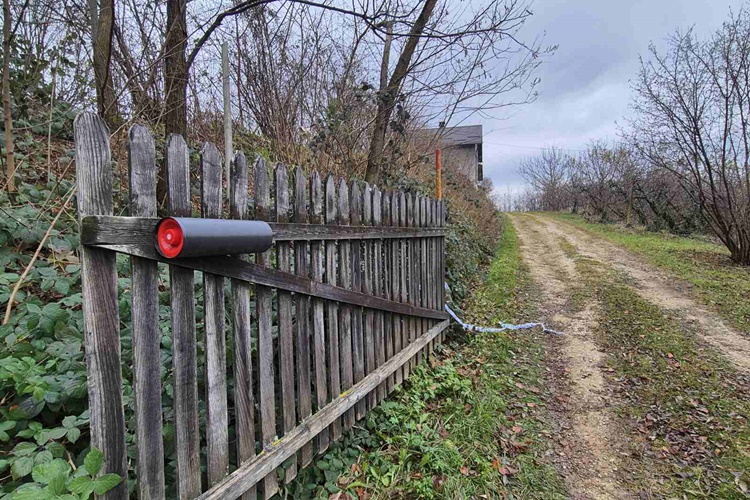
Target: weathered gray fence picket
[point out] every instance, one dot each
(357, 281)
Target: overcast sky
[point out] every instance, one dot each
(585, 84)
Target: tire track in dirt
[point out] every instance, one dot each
(659, 288)
(588, 457)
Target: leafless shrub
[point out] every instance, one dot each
(692, 120)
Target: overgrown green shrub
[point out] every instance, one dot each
(44, 415)
(44, 405)
(56, 480)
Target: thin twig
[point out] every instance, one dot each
(12, 297)
(70, 461)
(49, 126)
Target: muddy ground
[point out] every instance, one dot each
(590, 440)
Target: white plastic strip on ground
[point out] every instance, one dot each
(504, 326)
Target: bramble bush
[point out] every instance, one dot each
(42, 371)
(56, 480)
(44, 409)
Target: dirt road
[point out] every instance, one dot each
(658, 288)
(587, 452)
(590, 440)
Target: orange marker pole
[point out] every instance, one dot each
(439, 173)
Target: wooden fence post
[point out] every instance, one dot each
(145, 324)
(184, 362)
(217, 417)
(101, 320)
(355, 269)
(244, 400)
(265, 332)
(396, 284)
(421, 219)
(286, 337)
(406, 322)
(368, 287)
(345, 314)
(318, 324)
(388, 286)
(302, 313)
(332, 308)
(442, 211)
(377, 266)
(435, 256)
(411, 218)
(432, 264)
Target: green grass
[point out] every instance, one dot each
(717, 281)
(498, 298)
(687, 406)
(472, 424)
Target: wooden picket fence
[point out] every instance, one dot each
(346, 303)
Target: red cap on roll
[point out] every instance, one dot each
(170, 238)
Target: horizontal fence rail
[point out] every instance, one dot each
(115, 230)
(297, 343)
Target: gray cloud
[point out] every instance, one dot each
(585, 85)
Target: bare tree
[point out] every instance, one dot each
(615, 183)
(470, 60)
(283, 66)
(356, 74)
(438, 56)
(387, 99)
(692, 119)
(596, 176)
(176, 68)
(548, 176)
(102, 28)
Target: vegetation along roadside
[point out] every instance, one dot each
(469, 424)
(686, 406)
(715, 279)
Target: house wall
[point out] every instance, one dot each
(463, 159)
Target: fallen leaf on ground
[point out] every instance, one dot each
(362, 493)
(507, 470)
(520, 445)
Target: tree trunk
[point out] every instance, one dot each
(175, 80)
(385, 62)
(387, 99)
(630, 206)
(10, 159)
(739, 248)
(102, 24)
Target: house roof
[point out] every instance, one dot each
(454, 136)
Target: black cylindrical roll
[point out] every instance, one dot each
(188, 237)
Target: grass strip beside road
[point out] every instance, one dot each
(687, 407)
(716, 280)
